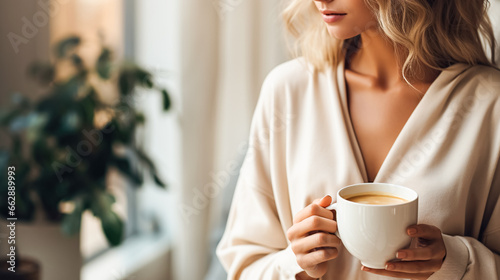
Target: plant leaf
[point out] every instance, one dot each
(103, 66)
(8, 116)
(65, 46)
(77, 61)
(45, 185)
(143, 77)
(166, 100)
(140, 118)
(126, 81)
(132, 76)
(149, 163)
(87, 107)
(41, 153)
(112, 226)
(68, 89)
(42, 72)
(17, 146)
(144, 158)
(71, 222)
(124, 165)
(157, 180)
(101, 202)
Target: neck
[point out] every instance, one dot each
(377, 59)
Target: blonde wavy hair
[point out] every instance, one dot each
(434, 33)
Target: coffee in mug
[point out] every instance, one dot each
(372, 219)
(376, 198)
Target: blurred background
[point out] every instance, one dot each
(126, 123)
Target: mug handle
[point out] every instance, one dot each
(333, 206)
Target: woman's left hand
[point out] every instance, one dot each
(421, 260)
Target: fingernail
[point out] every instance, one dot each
(401, 255)
(328, 196)
(412, 231)
(389, 266)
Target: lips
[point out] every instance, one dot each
(332, 16)
(330, 13)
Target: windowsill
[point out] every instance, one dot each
(123, 261)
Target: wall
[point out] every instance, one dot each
(14, 59)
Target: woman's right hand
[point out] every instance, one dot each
(312, 238)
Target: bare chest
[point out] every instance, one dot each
(377, 117)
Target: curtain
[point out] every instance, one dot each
(227, 48)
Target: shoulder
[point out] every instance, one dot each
(482, 76)
(480, 87)
(485, 82)
(291, 68)
(294, 71)
(295, 77)
(479, 81)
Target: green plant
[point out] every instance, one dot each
(63, 145)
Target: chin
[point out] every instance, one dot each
(341, 33)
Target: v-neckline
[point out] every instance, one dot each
(409, 124)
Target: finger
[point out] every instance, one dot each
(396, 274)
(312, 209)
(315, 241)
(424, 231)
(435, 251)
(311, 224)
(325, 201)
(316, 257)
(415, 266)
(418, 254)
(315, 272)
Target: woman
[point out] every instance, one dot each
(396, 91)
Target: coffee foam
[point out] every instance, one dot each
(375, 198)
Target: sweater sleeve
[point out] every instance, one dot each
(254, 245)
(471, 258)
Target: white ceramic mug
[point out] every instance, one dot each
(374, 233)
